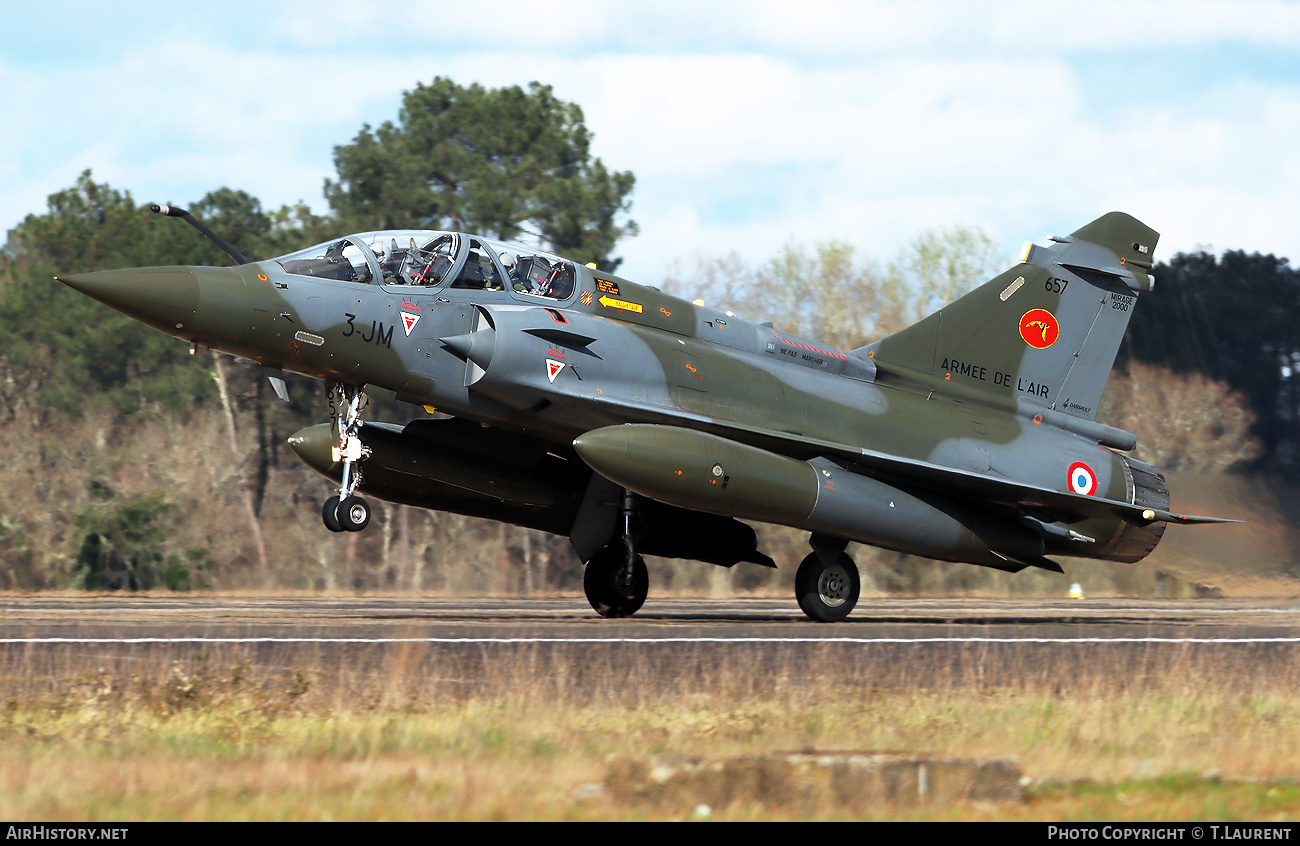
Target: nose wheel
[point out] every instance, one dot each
(347, 515)
(348, 512)
(329, 515)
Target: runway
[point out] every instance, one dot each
(742, 646)
(35, 619)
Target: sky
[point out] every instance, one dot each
(749, 125)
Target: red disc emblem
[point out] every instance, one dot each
(1039, 328)
(1082, 479)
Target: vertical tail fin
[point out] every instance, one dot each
(1047, 330)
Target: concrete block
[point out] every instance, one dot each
(851, 780)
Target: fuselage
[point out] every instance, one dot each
(519, 339)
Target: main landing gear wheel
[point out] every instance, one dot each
(609, 589)
(827, 592)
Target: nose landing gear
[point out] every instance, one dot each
(348, 512)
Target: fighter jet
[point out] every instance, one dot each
(635, 423)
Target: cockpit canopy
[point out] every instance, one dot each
(431, 259)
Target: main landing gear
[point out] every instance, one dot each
(348, 512)
(827, 583)
(616, 581)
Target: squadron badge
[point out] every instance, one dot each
(1039, 328)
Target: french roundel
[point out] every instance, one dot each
(1082, 479)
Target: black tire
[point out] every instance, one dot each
(329, 514)
(354, 514)
(601, 583)
(827, 594)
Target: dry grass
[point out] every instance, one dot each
(509, 732)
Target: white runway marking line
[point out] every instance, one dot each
(742, 609)
(650, 640)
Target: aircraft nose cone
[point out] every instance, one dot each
(476, 346)
(164, 297)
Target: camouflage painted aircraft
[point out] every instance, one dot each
(636, 423)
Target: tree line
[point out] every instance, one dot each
(512, 162)
(132, 464)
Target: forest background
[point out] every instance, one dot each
(128, 463)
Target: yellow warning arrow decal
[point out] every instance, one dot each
(620, 304)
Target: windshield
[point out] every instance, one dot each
(343, 260)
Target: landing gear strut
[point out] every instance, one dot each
(827, 583)
(616, 581)
(348, 512)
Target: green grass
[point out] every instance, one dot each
(414, 735)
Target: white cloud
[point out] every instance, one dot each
(829, 29)
(747, 124)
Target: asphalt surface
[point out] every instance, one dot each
(688, 645)
(385, 617)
